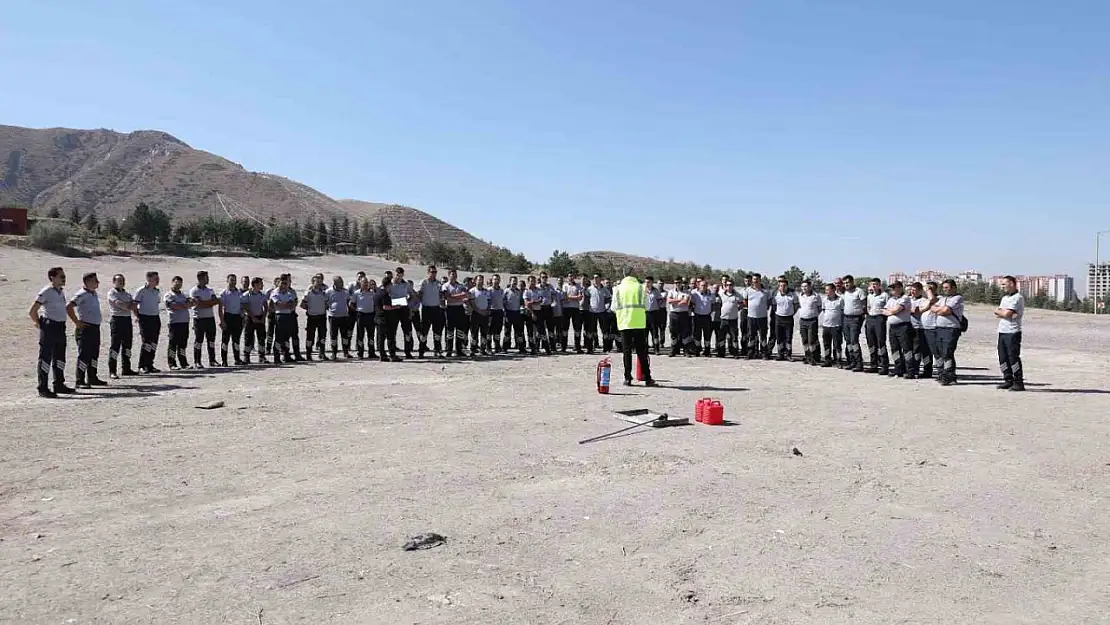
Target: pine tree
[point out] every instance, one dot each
(385, 243)
(369, 237)
(345, 230)
(75, 215)
(320, 237)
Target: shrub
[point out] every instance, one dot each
(276, 242)
(50, 235)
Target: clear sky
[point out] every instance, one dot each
(839, 135)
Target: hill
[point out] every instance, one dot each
(610, 264)
(411, 229)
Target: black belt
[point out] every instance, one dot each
(875, 316)
(50, 322)
(853, 316)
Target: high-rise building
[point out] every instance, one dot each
(1061, 288)
(1098, 284)
(969, 276)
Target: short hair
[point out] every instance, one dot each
(399, 270)
(151, 274)
(177, 278)
(53, 272)
(361, 273)
(495, 275)
(931, 284)
(754, 275)
(258, 281)
(202, 273)
(950, 282)
(830, 285)
(917, 285)
(848, 278)
(231, 275)
(118, 275)
(897, 284)
(875, 281)
(627, 271)
(89, 276)
(479, 276)
(649, 278)
(432, 268)
(1009, 278)
(807, 281)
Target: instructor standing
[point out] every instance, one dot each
(630, 309)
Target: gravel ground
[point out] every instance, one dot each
(911, 503)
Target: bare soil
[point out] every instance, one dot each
(911, 503)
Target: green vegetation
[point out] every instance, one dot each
(52, 236)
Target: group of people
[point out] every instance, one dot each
(921, 324)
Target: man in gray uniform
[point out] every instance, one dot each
(544, 331)
(364, 302)
(855, 304)
(432, 317)
(254, 304)
(51, 302)
(731, 303)
(557, 323)
(898, 311)
(177, 309)
(514, 318)
(402, 289)
(204, 319)
(496, 312)
(283, 301)
(1009, 313)
(147, 306)
(230, 314)
(591, 315)
(678, 309)
(745, 326)
(878, 360)
(84, 311)
(656, 304)
(701, 300)
(339, 317)
(809, 307)
(457, 323)
(950, 311)
(315, 305)
(784, 304)
(572, 311)
(533, 303)
(122, 306)
(916, 333)
(296, 336)
(832, 324)
(479, 319)
(759, 307)
(930, 356)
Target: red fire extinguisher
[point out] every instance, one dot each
(604, 374)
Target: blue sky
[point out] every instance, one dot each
(840, 135)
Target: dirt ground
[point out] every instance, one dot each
(911, 503)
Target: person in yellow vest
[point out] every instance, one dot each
(630, 306)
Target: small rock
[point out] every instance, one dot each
(796, 451)
(427, 540)
(689, 596)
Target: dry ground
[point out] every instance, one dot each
(912, 503)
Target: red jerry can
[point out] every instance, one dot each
(714, 414)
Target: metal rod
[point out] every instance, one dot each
(662, 417)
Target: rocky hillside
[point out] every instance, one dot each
(110, 172)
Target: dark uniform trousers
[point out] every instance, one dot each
(496, 324)
(901, 351)
(232, 333)
(315, 333)
(853, 324)
(784, 336)
(432, 318)
(758, 345)
(703, 334)
(947, 338)
(179, 338)
(916, 337)
(364, 329)
(1009, 357)
(635, 340)
(657, 326)
(457, 327)
(932, 347)
(88, 351)
(404, 321)
(271, 331)
(119, 349)
(680, 324)
(150, 326)
(556, 332)
(52, 352)
(204, 334)
(745, 331)
(514, 330)
(833, 338)
(614, 340)
(877, 357)
(479, 332)
(387, 334)
(295, 338)
(544, 333)
(728, 337)
(339, 330)
(285, 329)
(255, 338)
(590, 323)
(925, 352)
(572, 319)
(810, 340)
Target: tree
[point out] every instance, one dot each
(308, 234)
(296, 233)
(276, 242)
(54, 213)
(385, 242)
(794, 276)
(815, 279)
(464, 259)
(320, 237)
(333, 233)
(111, 227)
(345, 230)
(560, 264)
(50, 236)
(369, 238)
(519, 264)
(147, 224)
(92, 224)
(75, 216)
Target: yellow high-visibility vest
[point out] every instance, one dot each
(629, 303)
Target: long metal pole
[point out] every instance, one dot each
(1094, 281)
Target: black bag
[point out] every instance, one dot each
(963, 323)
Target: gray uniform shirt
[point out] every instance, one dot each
(876, 303)
(87, 305)
(454, 289)
(832, 312)
(514, 299)
(254, 303)
(176, 299)
(288, 297)
(205, 294)
(430, 293)
(496, 299)
(148, 300)
(809, 306)
(652, 299)
(758, 303)
(596, 297)
(684, 307)
(315, 301)
(902, 317)
(232, 301)
(956, 304)
(119, 302)
(731, 304)
(338, 301)
(479, 299)
(928, 317)
(786, 304)
(1015, 303)
(854, 302)
(569, 290)
(702, 302)
(535, 296)
(915, 317)
(52, 303)
(364, 300)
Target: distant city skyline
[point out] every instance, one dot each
(1059, 287)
